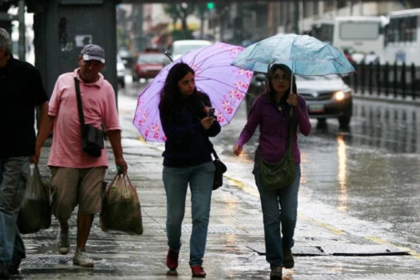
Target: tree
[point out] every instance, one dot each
(180, 12)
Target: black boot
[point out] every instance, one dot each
(288, 261)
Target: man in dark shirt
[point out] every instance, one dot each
(21, 91)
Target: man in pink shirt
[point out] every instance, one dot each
(76, 176)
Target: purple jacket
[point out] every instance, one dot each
(274, 128)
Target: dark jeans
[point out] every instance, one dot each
(13, 176)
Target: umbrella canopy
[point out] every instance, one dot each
(303, 54)
(225, 84)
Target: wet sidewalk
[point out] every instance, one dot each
(235, 247)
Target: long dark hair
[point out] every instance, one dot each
(288, 73)
(171, 98)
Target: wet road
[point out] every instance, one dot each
(371, 170)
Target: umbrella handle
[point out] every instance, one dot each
(167, 54)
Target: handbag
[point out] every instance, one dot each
(92, 137)
(281, 174)
(218, 173)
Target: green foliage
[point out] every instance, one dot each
(180, 12)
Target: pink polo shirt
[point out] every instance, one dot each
(98, 106)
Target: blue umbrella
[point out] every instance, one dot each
(305, 55)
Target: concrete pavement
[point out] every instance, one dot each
(235, 242)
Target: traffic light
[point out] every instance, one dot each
(210, 5)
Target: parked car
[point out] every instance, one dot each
(326, 96)
(120, 72)
(180, 47)
(148, 65)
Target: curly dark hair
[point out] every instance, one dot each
(288, 73)
(172, 100)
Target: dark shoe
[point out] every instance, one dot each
(198, 271)
(14, 267)
(172, 259)
(4, 273)
(276, 273)
(288, 261)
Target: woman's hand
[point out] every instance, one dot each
(292, 100)
(237, 150)
(206, 110)
(207, 122)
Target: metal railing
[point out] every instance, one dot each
(386, 80)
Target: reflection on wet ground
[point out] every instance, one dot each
(380, 125)
(371, 170)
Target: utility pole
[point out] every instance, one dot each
(22, 31)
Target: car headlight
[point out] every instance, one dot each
(340, 95)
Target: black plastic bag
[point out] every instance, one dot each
(121, 208)
(35, 211)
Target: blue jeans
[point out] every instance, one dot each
(13, 175)
(279, 209)
(200, 179)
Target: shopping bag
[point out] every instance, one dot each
(121, 208)
(35, 211)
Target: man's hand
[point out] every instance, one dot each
(121, 166)
(35, 157)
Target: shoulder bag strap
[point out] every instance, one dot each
(79, 104)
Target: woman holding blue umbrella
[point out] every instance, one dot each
(271, 112)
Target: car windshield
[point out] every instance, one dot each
(157, 58)
(331, 77)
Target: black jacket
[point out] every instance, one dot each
(187, 141)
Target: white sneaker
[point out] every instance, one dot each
(82, 258)
(63, 242)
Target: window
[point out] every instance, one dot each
(359, 30)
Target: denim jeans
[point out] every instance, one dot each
(279, 209)
(13, 175)
(200, 179)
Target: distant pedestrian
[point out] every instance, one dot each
(348, 56)
(187, 161)
(77, 178)
(271, 112)
(21, 91)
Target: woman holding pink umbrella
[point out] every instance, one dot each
(187, 161)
